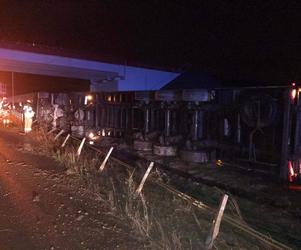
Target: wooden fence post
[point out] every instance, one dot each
(103, 164)
(138, 191)
(59, 134)
(65, 141)
(79, 150)
(51, 131)
(216, 223)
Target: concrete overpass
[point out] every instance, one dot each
(102, 76)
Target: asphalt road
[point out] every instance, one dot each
(43, 208)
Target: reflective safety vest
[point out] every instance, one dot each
(28, 113)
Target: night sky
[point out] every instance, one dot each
(234, 40)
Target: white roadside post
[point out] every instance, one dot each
(59, 134)
(79, 150)
(151, 165)
(51, 131)
(65, 141)
(216, 223)
(103, 164)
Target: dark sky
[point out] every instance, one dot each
(240, 40)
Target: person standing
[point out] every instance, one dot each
(28, 115)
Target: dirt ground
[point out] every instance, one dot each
(43, 208)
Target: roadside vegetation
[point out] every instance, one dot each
(156, 217)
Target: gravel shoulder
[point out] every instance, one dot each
(43, 208)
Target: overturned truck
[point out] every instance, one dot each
(255, 127)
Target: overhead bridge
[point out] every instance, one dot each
(102, 75)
